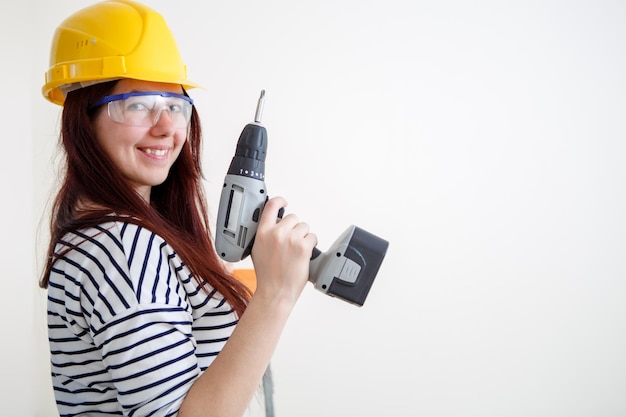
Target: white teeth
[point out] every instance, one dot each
(156, 152)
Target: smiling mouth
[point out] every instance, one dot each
(156, 152)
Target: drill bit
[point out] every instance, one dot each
(259, 107)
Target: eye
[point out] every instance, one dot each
(175, 108)
(175, 105)
(137, 105)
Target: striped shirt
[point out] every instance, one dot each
(129, 327)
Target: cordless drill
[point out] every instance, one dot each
(346, 271)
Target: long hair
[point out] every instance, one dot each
(177, 211)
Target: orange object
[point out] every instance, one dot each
(247, 276)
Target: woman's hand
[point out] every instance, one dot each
(281, 253)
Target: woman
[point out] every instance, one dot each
(143, 317)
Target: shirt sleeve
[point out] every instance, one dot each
(138, 315)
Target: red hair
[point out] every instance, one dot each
(177, 211)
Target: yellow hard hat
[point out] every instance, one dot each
(111, 40)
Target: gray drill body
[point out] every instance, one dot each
(241, 204)
(346, 271)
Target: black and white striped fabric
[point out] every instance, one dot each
(130, 329)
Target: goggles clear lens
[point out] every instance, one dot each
(146, 108)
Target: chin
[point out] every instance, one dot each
(157, 183)
(157, 179)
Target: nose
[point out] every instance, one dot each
(163, 119)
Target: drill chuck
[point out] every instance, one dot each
(249, 159)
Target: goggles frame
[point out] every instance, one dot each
(119, 97)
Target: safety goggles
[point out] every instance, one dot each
(145, 108)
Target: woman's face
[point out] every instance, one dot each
(143, 154)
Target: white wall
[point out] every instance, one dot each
(485, 140)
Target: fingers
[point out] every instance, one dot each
(289, 227)
(281, 253)
(309, 239)
(302, 231)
